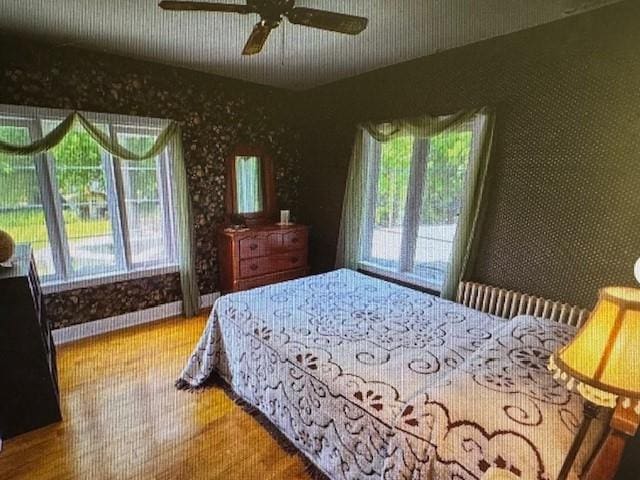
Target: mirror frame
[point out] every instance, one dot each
(268, 213)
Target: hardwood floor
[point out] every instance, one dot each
(123, 419)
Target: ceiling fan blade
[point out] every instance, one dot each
(335, 22)
(257, 39)
(206, 6)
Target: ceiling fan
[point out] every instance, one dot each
(271, 14)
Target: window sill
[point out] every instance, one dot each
(405, 278)
(94, 281)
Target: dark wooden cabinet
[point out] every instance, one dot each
(261, 255)
(29, 396)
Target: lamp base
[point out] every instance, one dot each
(624, 424)
(590, 411)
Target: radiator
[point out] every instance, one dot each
(507, 304)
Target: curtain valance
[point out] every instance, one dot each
(111, 145)
(170, 137)
(424, 126)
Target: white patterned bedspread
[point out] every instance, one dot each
(372, 380)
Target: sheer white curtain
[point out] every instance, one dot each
(348, 253)
(362, 171)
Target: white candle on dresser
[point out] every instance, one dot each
(284, 217)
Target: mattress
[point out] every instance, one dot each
(372, 380)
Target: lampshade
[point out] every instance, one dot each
(602, 360)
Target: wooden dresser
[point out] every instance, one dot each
(29, 396)
(261, 255)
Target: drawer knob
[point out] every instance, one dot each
(253, 246)
(294, 259)
(294, 240)
(253, 267)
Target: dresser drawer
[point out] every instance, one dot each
(271, 278)
(294, 240)
(257, 246)
(274, 263)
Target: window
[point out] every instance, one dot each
(86, 213)
(413, 198)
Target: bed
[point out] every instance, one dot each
(371, 380)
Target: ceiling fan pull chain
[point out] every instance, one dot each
(284, 26)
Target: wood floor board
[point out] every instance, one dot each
(123, 419)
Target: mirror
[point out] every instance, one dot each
(250, 195)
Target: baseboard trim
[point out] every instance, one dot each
(209, 299)
(97, 327)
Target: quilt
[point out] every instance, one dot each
(372, 380)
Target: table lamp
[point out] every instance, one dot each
(7, 249)
(601, 364)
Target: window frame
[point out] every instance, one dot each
(33, 118)
(372, 151)
(165, 197)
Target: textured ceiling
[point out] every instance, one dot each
(295, 57)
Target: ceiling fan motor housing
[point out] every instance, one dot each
(271, 11)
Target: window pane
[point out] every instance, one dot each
(145, 215)
(443, 188)
(390, 201)
(83, 195)
(21, 210)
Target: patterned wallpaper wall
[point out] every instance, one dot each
(215, 114)
(564, 202)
